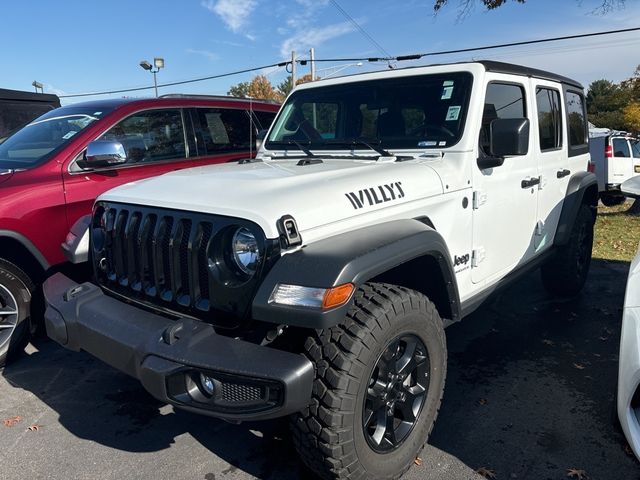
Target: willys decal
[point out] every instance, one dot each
(374, 195)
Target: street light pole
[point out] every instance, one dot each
(158, 63)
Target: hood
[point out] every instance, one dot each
(315, 195)
(5, 175)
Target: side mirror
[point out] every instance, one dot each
(260, 138)
(509, 137)
(103, 153)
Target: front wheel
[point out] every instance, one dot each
(566, 271)
(379, 382)
(16, 289)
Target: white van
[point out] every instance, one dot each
(616, 158)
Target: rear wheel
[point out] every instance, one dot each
(16, 289)
(566, 271)
(609, 200)
(379, 383)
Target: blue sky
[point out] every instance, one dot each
(86, 46)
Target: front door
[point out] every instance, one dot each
(504, 216)
(154, 141)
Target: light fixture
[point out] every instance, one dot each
(158, 62)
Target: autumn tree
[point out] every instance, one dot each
(466, 5)
(631, 114)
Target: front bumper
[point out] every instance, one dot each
(251, 382)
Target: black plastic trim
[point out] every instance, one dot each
(82, 317)
(510, 68)
(578, 184)
(26, 243)
(352, 257)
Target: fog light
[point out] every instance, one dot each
(208, 385)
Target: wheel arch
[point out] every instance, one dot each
(407, 252)
(17, 249)
(581, 190)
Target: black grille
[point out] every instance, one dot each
(176, 260)
(235, 392)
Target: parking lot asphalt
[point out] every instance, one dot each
(530, 395)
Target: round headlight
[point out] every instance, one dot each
(245, 250)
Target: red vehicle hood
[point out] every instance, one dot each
(5, 175)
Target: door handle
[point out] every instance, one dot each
(563, 173)
(530, 182)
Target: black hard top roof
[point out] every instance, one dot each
(6, 94)
(501, 67)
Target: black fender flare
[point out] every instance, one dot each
(26, 243)
(579, 184)
(356, 257)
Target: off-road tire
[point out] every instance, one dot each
(329, 435)
(565, 273)
(612, 200)
(21, 289)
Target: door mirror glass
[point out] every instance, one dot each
(103, 153)
(509, 137)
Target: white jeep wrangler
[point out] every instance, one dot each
(316, 280)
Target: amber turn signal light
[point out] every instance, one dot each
(337, 296)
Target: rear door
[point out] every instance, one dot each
(621, 165)
(635, 152)
(550, 148)
(155, 141)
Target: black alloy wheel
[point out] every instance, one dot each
(396, 393)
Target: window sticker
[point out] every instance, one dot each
(68, 135)
(453, 113)
(429, 143)
(447, 90)
(442, 144)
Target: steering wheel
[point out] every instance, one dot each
(308, 130)
(428, 129)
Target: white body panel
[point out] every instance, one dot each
(629, 367)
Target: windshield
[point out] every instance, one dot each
(426, 111)
(37, 141)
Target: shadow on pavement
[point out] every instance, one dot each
(529, 393)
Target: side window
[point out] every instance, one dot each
(621, 147)
(635, 148)
(150, 136)
(502, 100)
(577, 119)
(265, 119)
(549, 118)
(224, 130)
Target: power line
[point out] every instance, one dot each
(387, 58)
(171, 84)
(418, 56)
(379, 47)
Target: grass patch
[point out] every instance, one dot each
(617, 233)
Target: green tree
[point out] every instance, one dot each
(285, 87)
(240, 90)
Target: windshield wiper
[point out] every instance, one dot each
(300, 146)
(376, 147)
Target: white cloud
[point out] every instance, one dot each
(234, 13)
(205, 53)
(314, 37)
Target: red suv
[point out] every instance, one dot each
(52, 170)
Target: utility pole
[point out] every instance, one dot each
(312, 61)
(293, 69)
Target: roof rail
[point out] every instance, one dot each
(216, 97)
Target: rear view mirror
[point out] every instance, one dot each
(509, 137)
(103, 153)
